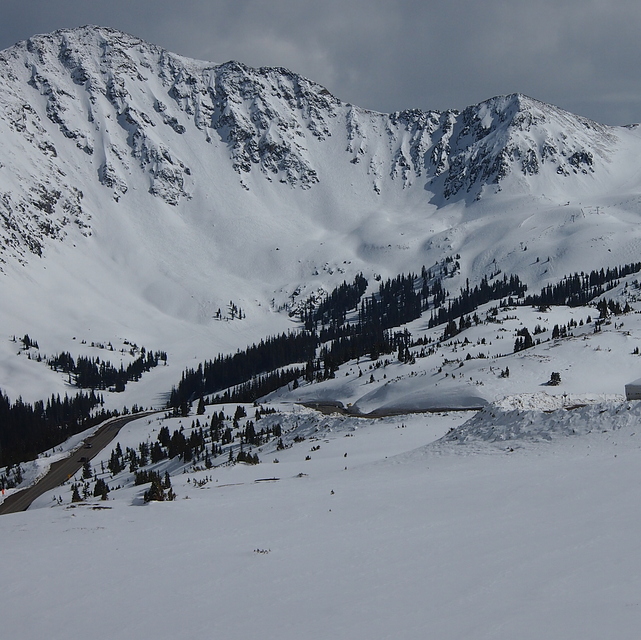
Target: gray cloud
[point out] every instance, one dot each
(582, 55)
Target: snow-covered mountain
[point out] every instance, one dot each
(141, 191)
(95, 106)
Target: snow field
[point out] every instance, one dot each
(412, 540)
(156, 273)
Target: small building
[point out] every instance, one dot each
(633, 390)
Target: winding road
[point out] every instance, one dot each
(64, 469)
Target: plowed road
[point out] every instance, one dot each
(64, 469)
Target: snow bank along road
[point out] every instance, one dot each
(64, 469)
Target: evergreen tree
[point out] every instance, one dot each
(524, 341)
(155, 492)
(75, 496)
(101, 488)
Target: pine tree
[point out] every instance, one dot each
(75, 496)
(101, 489)
(555, 379)
(155, 492)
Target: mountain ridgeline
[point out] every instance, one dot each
(94, 106)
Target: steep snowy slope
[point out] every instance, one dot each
(140, 192)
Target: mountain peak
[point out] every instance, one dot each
(85, 35)
(518, 136)
(96, 105)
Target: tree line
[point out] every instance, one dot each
(580, 288)
(28, 429)
(332, 310)
(240, 368)
(267, 366)
(94, 373)
(471, 299)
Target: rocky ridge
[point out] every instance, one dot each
(97, 102)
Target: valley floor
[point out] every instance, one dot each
(381, 533)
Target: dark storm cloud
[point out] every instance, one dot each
(582, 55)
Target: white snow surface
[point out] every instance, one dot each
(141, 191)
(400, 538)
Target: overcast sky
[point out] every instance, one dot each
(387, 55)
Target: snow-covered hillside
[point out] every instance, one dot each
(141, 192)
(156, 207)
